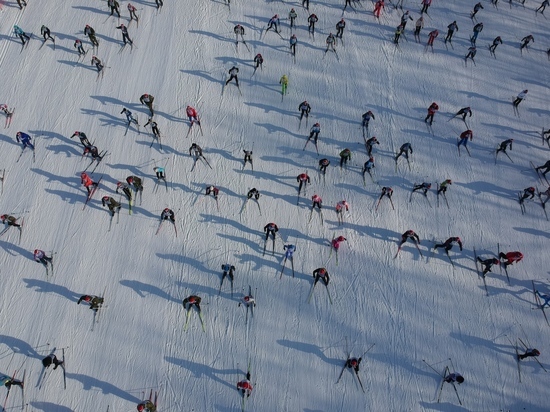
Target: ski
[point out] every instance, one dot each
(91, 194)
(543, 204)
(538, 303)
(64, 370)
(480, 274)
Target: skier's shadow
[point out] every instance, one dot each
(50, 407)
(201, 73)
(198, 370)
(72, 64)
(20, 346)
(213, 35)
(472, 342)
(186, 260)
(106, 388)
(142, 289)
(446, 406)
(48, 287)
(92, 9)
(13, 249)
(10, 140)
(309, 349)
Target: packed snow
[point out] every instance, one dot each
(411, 308)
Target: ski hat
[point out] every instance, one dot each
(140, 407)
(77, 133)
(18, 134)
(495, 261)
(35, 251)
(536, 352)
(87, 298)
(291, 9)
(353, 362)
(83, 174)
(105, 199)
(166, 209)
(119, 184)
(130, 179)
(449, 181)
(460, 379)
(276, 16)
(317, 124)
(371, 159)
(3, 217)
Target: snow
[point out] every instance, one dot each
(411, 310)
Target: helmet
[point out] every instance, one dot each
(460, 379)
(83, 174)
(87, 25)
(449, 181)
(35, 251)
(130, 179)
(105, 199)
(291, 9)
(166, 209)
(87, 298)
(495, 261)
(119, 184)
(18, 134)
(3, 217)
(276, 16)
(536, 352)
(140, 407)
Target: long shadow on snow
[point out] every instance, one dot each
(213, 35)
(479, 187)
(92, 10)
(165, 148)
(471, 95)
(21, 347)
(68, 150)
(50, 407)
(106, 388)
(260, 261)
(309, 349)
(140, 288)
(72, 64)
(74, 183)
(186, 260)
(203, 74)
(534, 232)
(13, 249)
(198, 370)
(135, 107)
(444, 406)
(48, 287)
(472, 342)
(10, 140)
(107, 120)
(267, 109)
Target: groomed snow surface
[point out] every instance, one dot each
(409, 308)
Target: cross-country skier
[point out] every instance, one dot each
(477, 8)
(378, 6)
(341, 205)
(419, 25)
(386, 191)
(451, 28)
(192, 115)
(154, 127)
(448, 244)
(511, 257)
(92, 151)
(83, 139)
(497, 40)
(90, 32)
(283, 81)
(239, 31)
(345, 156)
(245, 386)
(488, 264)
(248, 301)
(195, 151)
(51, 360)
(336, 242)
(465, 111)
(87, 181)
(97, 63)
(331, 43)
(21, 34)
(95, 302)
(312, 19)
(125, 36)
(324, 163)
(528, 193)
(366, 119)
(212, 190)
(368, 166)
(306, 3)
(525, 41)
(292, 16)
(304, 109)
(270, 229)
(273, 24)
(168, 214)
(520, 97)
(9, 220)
(146, 405)
(471, 53)
(431, 37)
(464, 136)
(129, 117)
(136, 182)
(405, 19)
(477, 29)
(258, 61)
(424, 187)
(8, 381)
(45, 32)
(545, 297)
(504, 145)
(132, 9)
(233, 72)
(370, 143)
(397, 35)
(40, 257)
(431, 112)
(25, 139)
(545, 166)
(114, 6)
(191, 301)
(404, 150)
(159, 3)
(354, 363)
(340, 26)
(529, 353)
(542, 6)
(454, 377)
(229, 271)
(111, 203)
(409, 234)
(248, 158)
(314, 132)
(78, 46)
(125, 189)
(317, 201)
(147, 100)
(159, 171)
(21, 3)
(293, 40)
(253, 193)
(303, 180)
(321, 273)
(443, 186)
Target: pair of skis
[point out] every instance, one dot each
(188, 315)
(97, 313)
(480, 274)
(538, 303)
(160, 226)
(313, 288)
(320, 215)
(92, 192)
(444, 197)
(22, 391)
(9, 116)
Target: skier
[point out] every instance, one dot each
(378, 6)
(477, 29)
(370, 143)
(368, 166)
(95, 302)
(321, 273)
(196, 151)
(83, 139)
(154, 127)
(159, 3)
(283, 81)
(245, 387)
(314, 132)
(464, 136)
(90, 32)
(293, 40)
(88, 183)
(270, 229)
(40, 257)
(114, 6)
(331, 43)
(306, 2)
(212, 190)
(504, 144)
(404, 150)
(405, 19)
(528, 193)
(336, 242)
(147, 100)
(274, 21)
(423, 186)
(289, 250)
(366, 119)
(451, 29)
(511, 257)
(409, 234)
(525, 42)
(25, 139)
(51, 360)
(147, 405)
(544, 166)
(312, 19)
(97, 63)
(125, 36)
(111, 203)
(546, 299)
(92, 150)
(159, 171)
(253, 193)
(45, 32)
(529, 353)
(248, 158)
(8, 381)
(419, 25)
(248, 301)
(292, 16)
(520, 97)
(488, 264)
(258, 61)
(431, 37)
(24, 3)
(324, 163)
(465, 111)
(132, 9)
(78, 46)
(340, 206)
(317, 201)
(454, 377)
(471, 54)
(443, 186)
(239, 31)
(21, 34)
(497, 40)
(547, 194)
(397, 35)
(354, 363)
(425, 6)
(304, 109)
(125, 189)
(129, 117)
(303, 179)
(168, 214)
(10, 221)
(386, 191)
(233, 75)
(431, 112)
(542, 6)
(448, 244)
(345, 155)
(340, 26)
(228, 270)
(477, 8)
(190, 301)
(136, 183)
